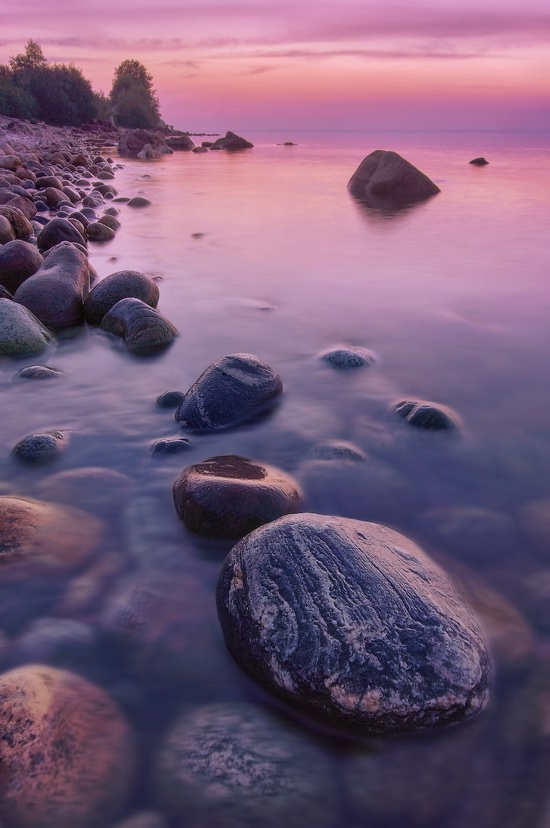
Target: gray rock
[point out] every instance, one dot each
(180, 142)
(233, 390)
(132, 142)
(167, 448)
(227, 497)
(426, 415)
(38, 372)
(170, 399)
(139, 201)
(349, 356)
(56, 292)
(41, 448)
(21, 333)
(58, 230)
(236, 766)
(384, 179)
(353, 624)
(231, 141)
(44, 181)
(98, 232)
(142, 328)
(110, 221)
(123, 284)
(18, 261)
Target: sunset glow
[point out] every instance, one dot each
(304, 65)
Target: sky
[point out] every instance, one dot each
(309, 64)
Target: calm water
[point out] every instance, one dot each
(265, 252)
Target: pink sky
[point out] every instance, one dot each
(310, 64)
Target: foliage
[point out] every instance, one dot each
(31, 58)
(134, 101)
(14, 101)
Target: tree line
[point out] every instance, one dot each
(60, 95)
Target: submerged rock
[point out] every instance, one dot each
(353, 624)
(167, 448)
(426, 415)
(38, 372)
(337, 450)
(170, 399)
(384, 179)
(41, 448)
(66, 751)
(350, 356)
(123, 284)
(479, 162)
(180, 142)
(143, 329)
(231, 391)
(21, 333)
(236, 766)
(139, 201)
(227, 497)
(132, 142)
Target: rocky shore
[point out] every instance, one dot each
(342, 632)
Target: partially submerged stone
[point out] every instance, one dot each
(133, 141)
(353, 624)
(41, 447)
(231, 141)
(139, 201)
(426, 415)
(143, 329)
(337, 450)
(170, 399)
(233, 390)
(479, 162)
(236, 766)
(123, 284)
(348, 356)
(169, 447)
(385, 179)
(229, 496)
(39, 372)
(66, 751)
(21, 333)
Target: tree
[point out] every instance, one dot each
(31, 58)
(14, 101)
(134, 100)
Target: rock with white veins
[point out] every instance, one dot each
(353, 624)
(234, 390)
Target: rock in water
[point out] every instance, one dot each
(385, 179)
(123, 284)
(479, 162)
(235, 766)
(427, 415)
(65, 752)
(21, 333)
(227, 497)
(231, 141)
(353, 624)
(231, 391)
(143, 329)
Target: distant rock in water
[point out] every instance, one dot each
(139, 201)
(353, 624)
(348, 356)
(427, 415)
(180, 142)
(479, 162)
(131, 143)
(384, 180)
(233, 390)
(230, 141)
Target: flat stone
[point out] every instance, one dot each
(39, 372)
(229, 496)
(236, 766)
(353, 624)
(232, 391)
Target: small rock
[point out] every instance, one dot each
(21, 333)
(337, 450)
(38, 372)
(98, 232)
(41, 448)
(479, 162)
(384, 179)
(123, 284)
(170, 399)
(164, 448)
(348, 357)
(139, 201)
(143, 329)
(426, 415)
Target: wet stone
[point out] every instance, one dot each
(143, 329)
(170, 399)
(58, 642)
(353, 624)
(41, 448)
(337, 450)
(236, 766)
(229, 496)
(348, 357)
(38, 372)
(102, 491)
(123, 284)
(138, 201)
(426, 415)
(234, 390)
(21, 333)
(165, 448)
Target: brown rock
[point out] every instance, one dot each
(384, 179)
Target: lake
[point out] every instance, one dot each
(265, 252)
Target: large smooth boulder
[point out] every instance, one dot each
(7, 233)
(66, 751)
(18, 261)
(231, 141)
(123, 284)
(236, 766)
(21, 333)
(132, 142)
(233, 390)
(384, 179)
(56, 292)
(143, 329)
(180, 142)
(228, 497)
(353, 624)
(58, 230)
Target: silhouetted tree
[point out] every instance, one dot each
(14, 101)
(31, 58)
(133, 98)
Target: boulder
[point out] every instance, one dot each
(9, 162)
(237, 766)
(132, 142)
(110, 221)
(66, 751)
(426, 415)
(24, 204)
(385, 179)
(143, 329)
(234, 390)
(479, 162)
(58, 230)
(228, 497)
(180, 142)
(230, 141)
(18, 261)
(53, 196)
(123, 284)
(20, 224)
(353, 624)
(56, 292)
(7, 233)
(44, 181)
(21, 333)
(150, 153)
